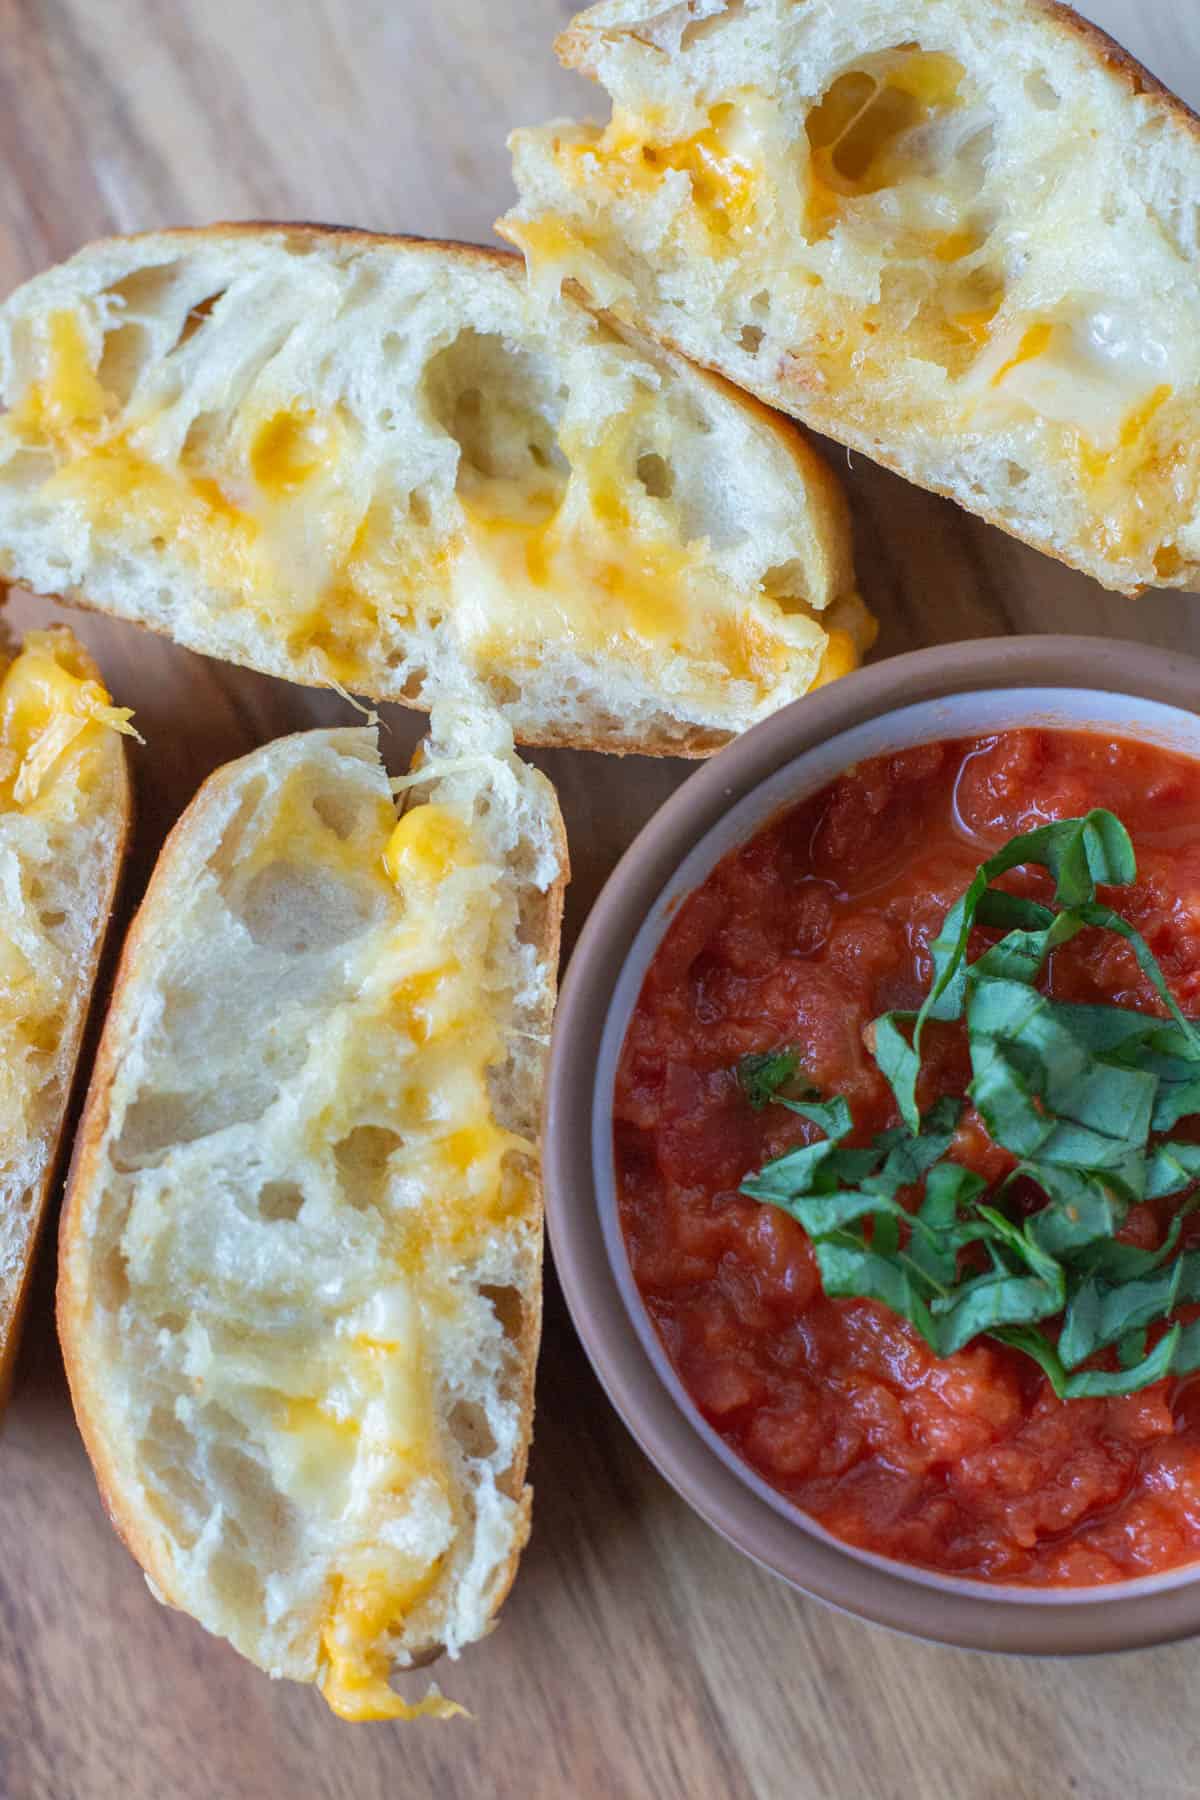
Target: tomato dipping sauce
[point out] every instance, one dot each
(969, 1464)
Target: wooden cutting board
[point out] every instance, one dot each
(639, 1656)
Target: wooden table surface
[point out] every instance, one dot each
(639, 1656)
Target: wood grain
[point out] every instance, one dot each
(639, 1657)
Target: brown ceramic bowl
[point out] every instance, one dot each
(1081, 683)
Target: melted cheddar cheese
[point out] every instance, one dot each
(634, 153)
(840, 658)
(859, 137)
(393, 1435)
(270, 516)
(363, 1609)
(340, 1320)
(54, 716)
(67, 405)
(53, 712)
(290, 448)
(859, 134)
(870, 164)
(426, 846)
(1098, 384)
(612, 579)
(459, 1174)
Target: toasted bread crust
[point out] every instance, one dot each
(1137, 78)
(573, 47)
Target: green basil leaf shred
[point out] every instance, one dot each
(762, 1074)
(1074, 1092)
(1099, 1383)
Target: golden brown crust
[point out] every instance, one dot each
(311, 228)
(1105, 49)
(12, 1307)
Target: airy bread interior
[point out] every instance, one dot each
(384, 464)
(961, 236)
(64, 819)
(300, 1283)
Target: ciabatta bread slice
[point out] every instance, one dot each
(382, 463)
(300, 1275)
(64, 824)
(960, 236)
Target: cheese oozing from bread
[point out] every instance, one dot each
(64, 806)
(384, 464)
(300, 1278)
(961, 238)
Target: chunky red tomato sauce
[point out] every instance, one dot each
(970, 1464)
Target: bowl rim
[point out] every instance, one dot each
(965, 1614)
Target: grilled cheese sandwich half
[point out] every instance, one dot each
(64, 822)
(386, 465)
(300, 1279)
(959, 237)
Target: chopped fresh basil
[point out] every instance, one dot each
(854, 1269)
(1082, 1208)
(1075, 1092)
(1116, 1263)
(1172, 1168)
(1131, 1349)
(762, 1074)
(1089, 1383)
(1099, 1316)
(996, 1298)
